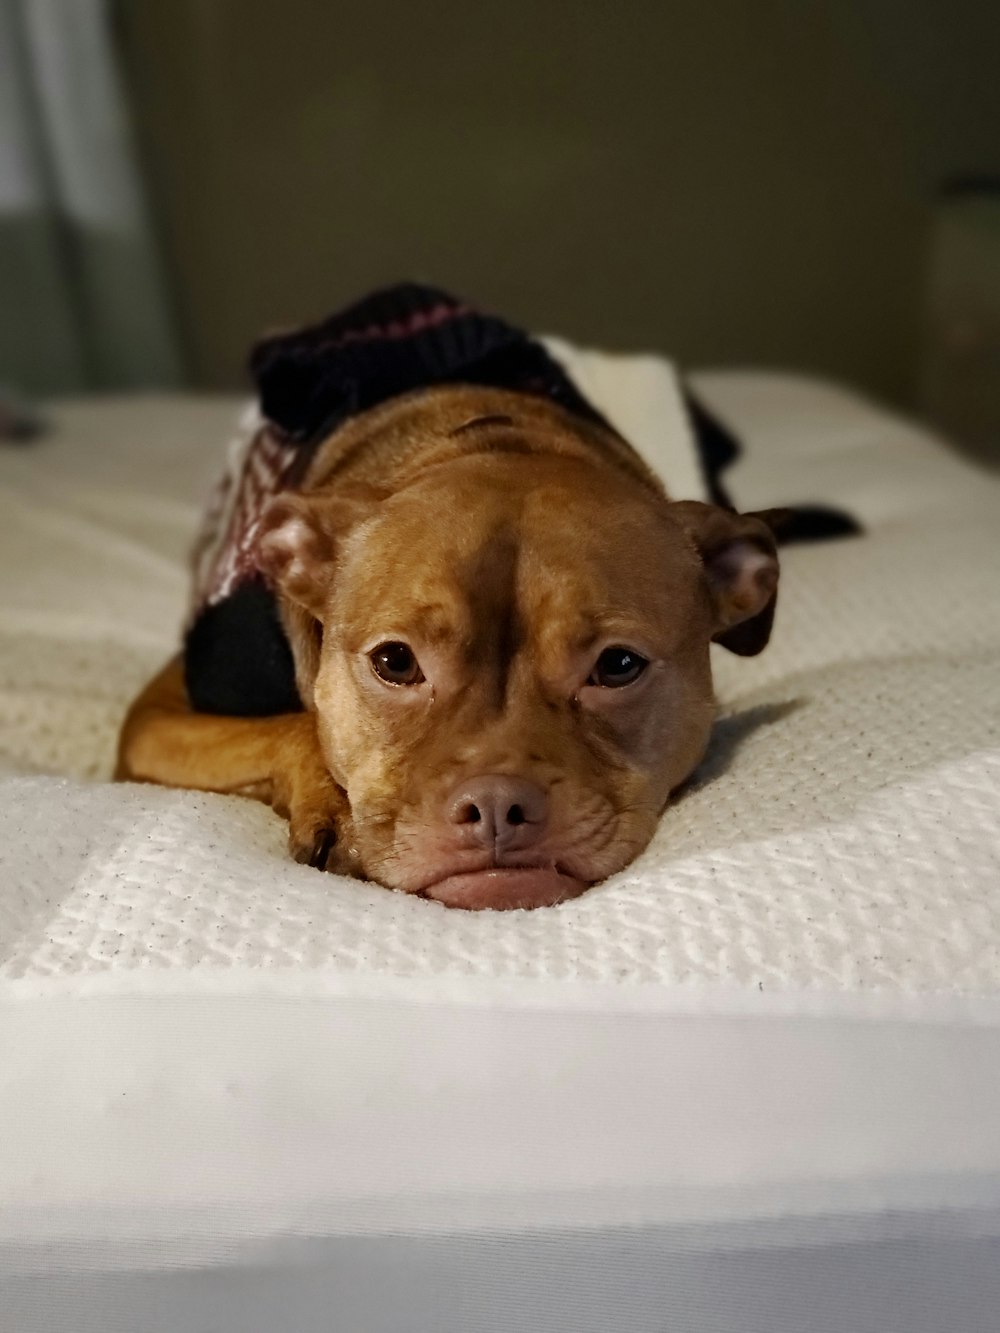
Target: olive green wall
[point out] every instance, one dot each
(733, 181)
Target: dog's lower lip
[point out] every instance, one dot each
(505, 888)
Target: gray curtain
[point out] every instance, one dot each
(82, 295)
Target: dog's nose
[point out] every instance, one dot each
(499, 812)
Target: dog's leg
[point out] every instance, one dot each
(272, 759)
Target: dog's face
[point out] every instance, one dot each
(514, 672)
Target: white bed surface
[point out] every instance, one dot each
(843, 835)
(751, 1084)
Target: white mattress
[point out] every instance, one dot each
(753, 1082)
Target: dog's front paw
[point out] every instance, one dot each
(325, 850)
(316, 850)
(320, 828)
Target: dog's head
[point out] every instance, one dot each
(512, 671)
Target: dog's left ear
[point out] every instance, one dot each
(739, 555)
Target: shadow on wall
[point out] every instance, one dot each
(39, 342)
(56, 335)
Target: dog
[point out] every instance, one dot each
(499, 627)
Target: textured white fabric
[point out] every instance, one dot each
(843, 832)
(221, 1110)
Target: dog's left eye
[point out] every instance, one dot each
(396, 664)
(617, 667)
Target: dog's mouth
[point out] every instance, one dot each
(505, 888)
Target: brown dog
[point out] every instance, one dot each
(500, 627)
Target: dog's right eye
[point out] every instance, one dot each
(396, 664)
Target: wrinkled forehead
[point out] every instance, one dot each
(568, 551)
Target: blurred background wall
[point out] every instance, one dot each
(737, 182)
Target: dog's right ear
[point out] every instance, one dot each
(297, 545)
